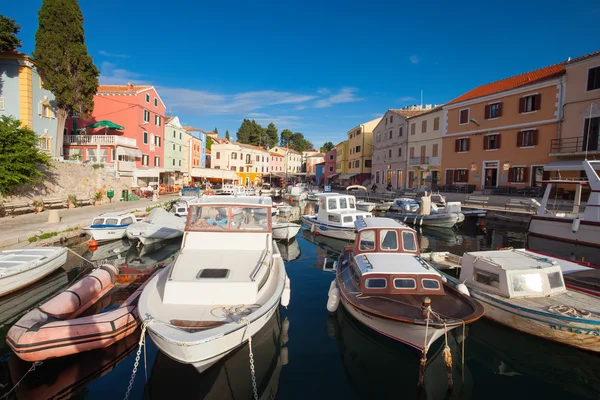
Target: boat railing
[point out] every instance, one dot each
(260, 263)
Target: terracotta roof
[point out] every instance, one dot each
(317, 155)
(207, 151)
(275, 154)
(219, 140)
(129, 88)
(192, 129)
(513, 82)
(249, 146)
(585, 57)
(425, 112)
(13, 54)
(409, 113)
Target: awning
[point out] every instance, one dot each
(347, 176)
(129, 152)
(332, 176)
(148, 173)
(275, 175)
(213, 173)
(564, 165)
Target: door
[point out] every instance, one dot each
(434, 178)
(389, 177)
(449, 177)
(399, 181)
(411, 178)
(537, 175)
(491, 178)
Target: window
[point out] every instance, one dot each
(530, 103)
(413, 128)
(391, 119)
(173, 146)
(591, 134)
(461, 175)
(368, 163)
(156, 161)
(430, 284)
(434, 150)
(491, 142)
(390, 134)
(174, 134)
(155, 102)
(376, 176)
(330, 157)
(423, 126)
(147, 98)
(517, 174)
(409, 242)
(376, 283)
(527, 138)
(180, 163)
(390, 153)
(257, 158)
(527, 283)
(145, 137)
(351, 204)
(348, 218)
(436, 123)
(461, 145)
(331, 204)
(357, 150)
(157, 141)
(234, 168)
(343, 203)
(350, 164)
(493, 110)
(173, 162)
(593, 82)
(555, 279)
(330, 169)
(145, 159)
(399, 151)
(389, 240)
(234, 156)
(157, 120)
(333, 218)
(464, 117)
(404, 283)
(45, 110)
(367, 240)
(146, 116)
(242, 169)
(487, 278)
(357, 164)
(400, 132)
(179, 148)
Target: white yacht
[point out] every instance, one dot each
(110, 226)
(226, 283)
(336, 216)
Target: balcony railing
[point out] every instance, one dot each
(103, 140)
(126, 165)
(249, 162)
(574, 145)
(422, 160)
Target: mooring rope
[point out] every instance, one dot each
(31, 369)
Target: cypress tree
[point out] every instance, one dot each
(62, 59)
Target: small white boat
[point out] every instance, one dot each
(526, 292)
(159, 225)
(297, 193)
(226, 283)
(419, 213)
(180, 208)
(285, 230)
(21, 267)
(363, 205)
(383, 206)
(336, 216)
(110, 226)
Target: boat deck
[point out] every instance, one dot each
(239, 263)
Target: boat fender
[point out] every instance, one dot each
(331, 287)
(284, 356)
(575, 225)
(461, 287)
(334, 300)
(312, 227)
(285, 326)
(285, 296)
(444, 279)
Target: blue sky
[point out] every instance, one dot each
(319, 67)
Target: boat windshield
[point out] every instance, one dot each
(228, 218)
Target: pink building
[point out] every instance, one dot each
(136, 152)
(276, 164)
(330, 163)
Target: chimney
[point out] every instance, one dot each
(130, 86)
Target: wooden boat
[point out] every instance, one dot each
(571, 226)
(285, 230)
(382, 282)
(109, 226)
(224, 286)
(21, 267)
(54, 329)
(527, 292)
(336, 216)
(158, 226)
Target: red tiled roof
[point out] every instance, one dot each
(191, 128)
(207, 151)
(408, 113)
(585, 57)
(129, 88)
(249, 146)
(513, 82)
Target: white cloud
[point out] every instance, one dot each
(300, 107)
(345, 95)
(111, 75)
(377, 115)
(415, 59)
(107, 54)
(404, 99)
(324, 91)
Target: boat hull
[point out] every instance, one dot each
(366, 207)
(560, 229)
(575, 332)
(330, 230)
(285, 231)
(106, 234)
(445, 220)
(27, 276)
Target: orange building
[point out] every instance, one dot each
(499, 134)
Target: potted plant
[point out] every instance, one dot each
(38, 206)
(72, 201)
(97, 198)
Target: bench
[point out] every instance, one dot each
(55, 203)
(519, 203)
(478, 200)
(16, 207)
(84, 201)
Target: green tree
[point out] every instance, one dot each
(8, 34)
(62, 59)
(251, 133)
(327, 146)
(299, 143)
(216, 131)
(286, 136)
(209, 142)
(21, 161)
(271, 136)
(227, 135)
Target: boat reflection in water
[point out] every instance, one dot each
(570, 251)
(332, 245)
(507, 359)
(64, 377)
(108, 250)
(381, 368)
(290, 251)
(229, 378)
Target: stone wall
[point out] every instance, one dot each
(69, 178)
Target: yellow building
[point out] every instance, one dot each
(360, 153)
(341, 158)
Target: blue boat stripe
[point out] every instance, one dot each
(340, 227)
(103, 226)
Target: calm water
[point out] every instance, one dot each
(304, 353)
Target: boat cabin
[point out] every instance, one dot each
(113, 220)
(339, 209)
(385, 260)
(512, 273)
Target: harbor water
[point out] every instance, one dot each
(303, 352)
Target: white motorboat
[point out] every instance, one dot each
(180, 208)
(159, 225)
(575, 226)
(382, 282)
(285, 230)
(297, 193)
(21, 267)
(442, 205)
(383, 206)
(419, 213)
(336, 216)
(226, 283)
(361, 204)
(526, 292)
(110, 226)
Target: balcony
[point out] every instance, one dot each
(574, 146)
(416, 161)
(102, 140)
(249, 162)
(126, 165)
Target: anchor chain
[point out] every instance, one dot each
(141, 344)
